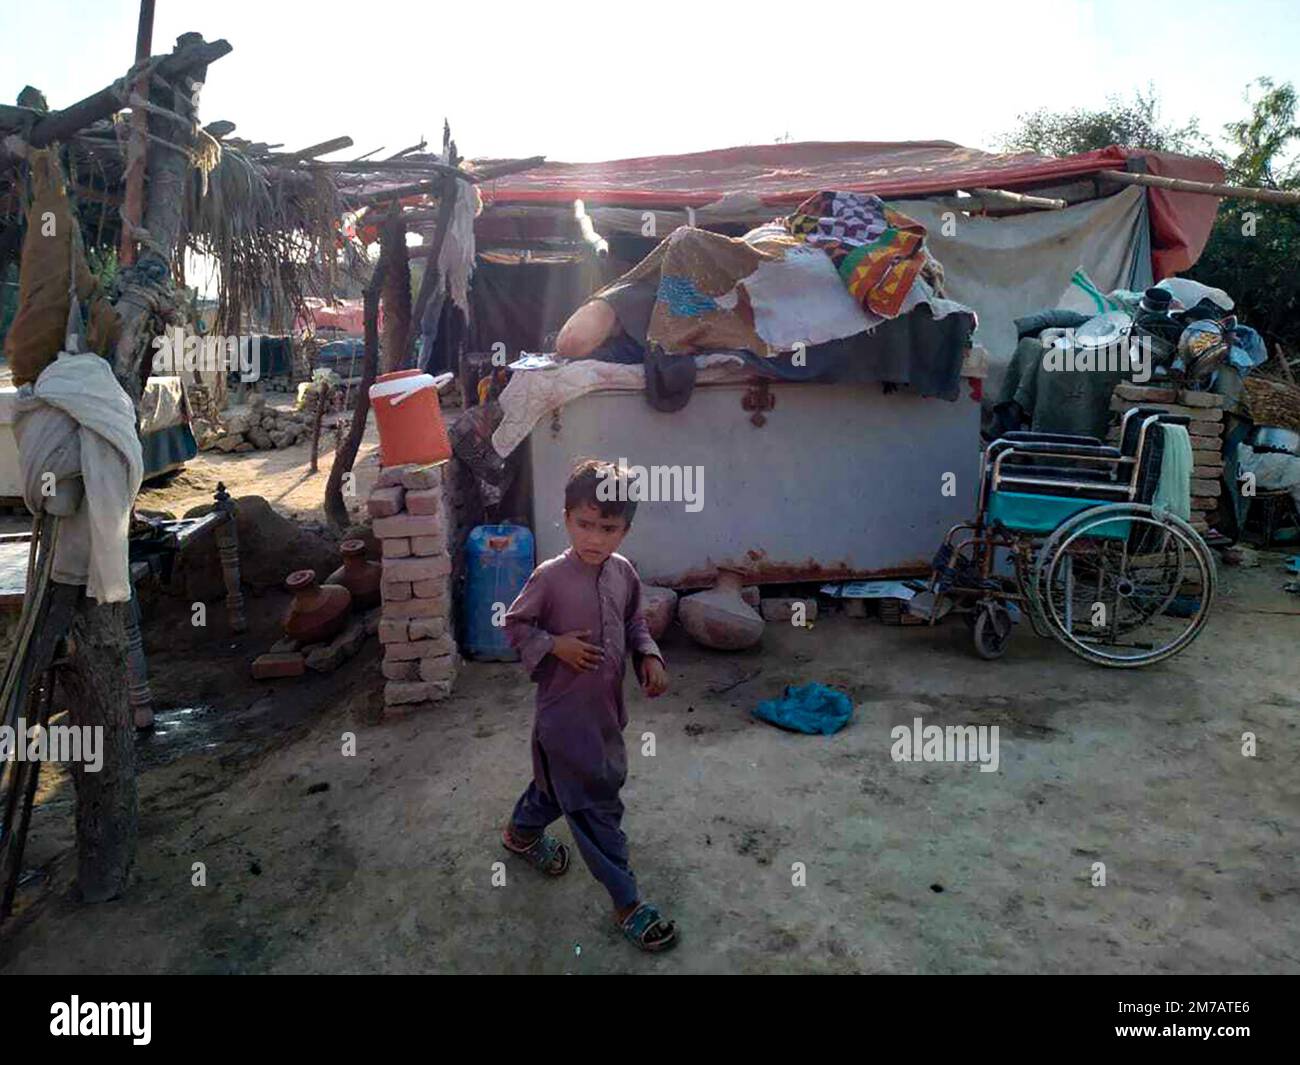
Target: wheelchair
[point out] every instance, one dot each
(1097, 567)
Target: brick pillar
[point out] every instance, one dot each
(412, 525)
(1205, 411)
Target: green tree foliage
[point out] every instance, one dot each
(1254, 249)
(1135, 124)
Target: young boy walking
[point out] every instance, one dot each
(574, 625)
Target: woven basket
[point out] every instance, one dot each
(1273, 403)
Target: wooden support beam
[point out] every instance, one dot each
(138, 145)
(1021, 199)
(1232, 192)
(407, 151)
(324, 148)
(60, 125)
(400, 166)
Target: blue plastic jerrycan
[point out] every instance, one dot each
(498, 560)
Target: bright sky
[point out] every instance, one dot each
(580, 80)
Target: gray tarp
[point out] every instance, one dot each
(1008, 267)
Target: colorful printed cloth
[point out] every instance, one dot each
(877, 251)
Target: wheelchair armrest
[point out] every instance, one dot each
(1086, 451)
(1027, 437)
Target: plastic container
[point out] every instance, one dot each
(498, 560)
(409, 418)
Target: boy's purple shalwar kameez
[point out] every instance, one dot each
(579, 760)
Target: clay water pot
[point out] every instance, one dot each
(659, 606)
(720, 618)
(318, 612)
(357, 575)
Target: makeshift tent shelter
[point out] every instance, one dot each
(1003, 255)
(837, 480)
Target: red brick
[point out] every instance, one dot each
(435, 588)
(396, 547)
(408, 525)
(426, 501)
(395, 591)
(441, 667)
(428, 545)
(393, 630)
(397, 692)
(419, 478)
(416, 608)
(426, 628)
(401, 670)
(385, 502)
(433, 693)
(391, 476)
(283, 664)
(416, 568)
(405, 652)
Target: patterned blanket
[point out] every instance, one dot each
(877, 251)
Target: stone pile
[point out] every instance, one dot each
(260, 428)
(1205, 428)
(410, 519)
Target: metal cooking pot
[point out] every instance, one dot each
(1271, 438)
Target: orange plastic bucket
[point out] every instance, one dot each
(409, 418)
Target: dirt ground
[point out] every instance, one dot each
(282, 477)
(383, 861)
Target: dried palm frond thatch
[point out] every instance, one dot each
(274, 233)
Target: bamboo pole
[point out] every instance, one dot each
(1234, 192)
(1020, 199)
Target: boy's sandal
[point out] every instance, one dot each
(545, 853)
(644, 920)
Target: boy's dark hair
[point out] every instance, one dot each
(604, 486)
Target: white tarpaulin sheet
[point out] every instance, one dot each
(1008, 267)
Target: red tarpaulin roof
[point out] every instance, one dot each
(782, 175)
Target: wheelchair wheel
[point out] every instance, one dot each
(1124, 586)
(992, 630)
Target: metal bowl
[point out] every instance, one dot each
(1271, 438)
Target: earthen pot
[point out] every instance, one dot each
(318, 612)
(720, 618)
(357, 575)
(659, 606)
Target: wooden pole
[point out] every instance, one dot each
(60, 125)
(396, 294)
(138, 146)
(335, 509)
(432, 275)
(1232, 192)
(324, 148)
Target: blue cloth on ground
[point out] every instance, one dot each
(811, 708)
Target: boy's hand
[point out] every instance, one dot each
(576, 653)
(654, 678)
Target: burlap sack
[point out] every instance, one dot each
(53, 241)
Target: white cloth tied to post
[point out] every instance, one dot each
(78, 424)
